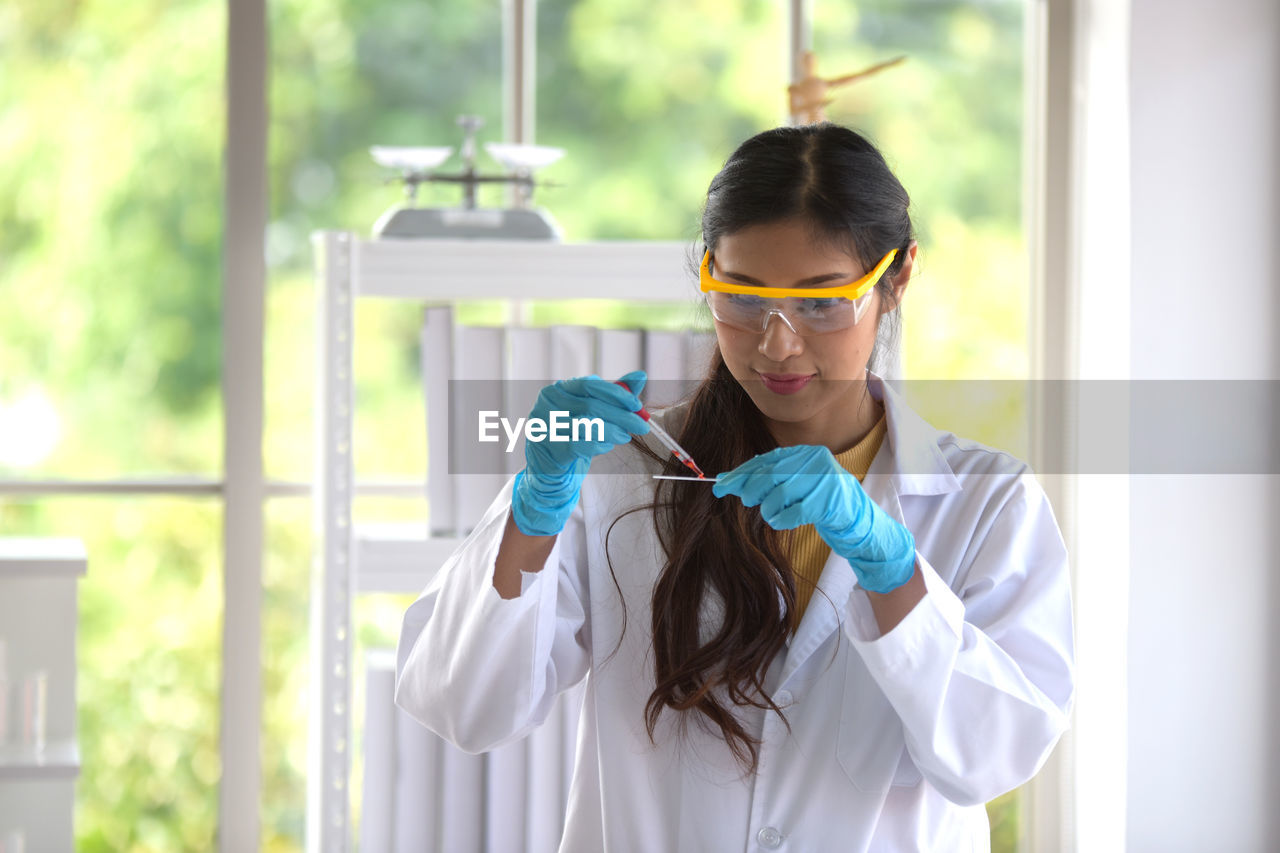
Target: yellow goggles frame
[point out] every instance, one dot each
(852, 290)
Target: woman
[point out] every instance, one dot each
(855, 638)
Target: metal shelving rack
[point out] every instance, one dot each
(388, 558)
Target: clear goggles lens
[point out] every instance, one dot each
(812, 316)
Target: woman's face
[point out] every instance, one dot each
(811, 390)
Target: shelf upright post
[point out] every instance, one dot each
(329, 770)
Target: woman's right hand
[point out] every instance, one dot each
(546, 491)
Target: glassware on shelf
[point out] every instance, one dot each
(35, 708)
(4, 694)
(13, 841)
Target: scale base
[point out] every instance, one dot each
(462, 224)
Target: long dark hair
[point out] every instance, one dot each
(725, 601)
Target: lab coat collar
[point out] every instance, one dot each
(913, 463)
(909, 462)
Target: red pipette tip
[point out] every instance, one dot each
(694, 468)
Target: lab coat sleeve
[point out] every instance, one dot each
(983, 680)
(480, 670)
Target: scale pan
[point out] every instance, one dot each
(515, 157)
(419, 158)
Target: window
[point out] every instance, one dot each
(111, 121)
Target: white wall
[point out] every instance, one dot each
(1204, 678)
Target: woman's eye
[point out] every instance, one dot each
(743, 300)
(817, 306)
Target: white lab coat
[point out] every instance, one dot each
(896, 741)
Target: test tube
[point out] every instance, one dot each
(13, 842)
(35, 708)
(4, 693)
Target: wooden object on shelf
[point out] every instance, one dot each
(808, 97)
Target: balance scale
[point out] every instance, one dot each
(417, 166)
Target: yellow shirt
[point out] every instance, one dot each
(803, 545)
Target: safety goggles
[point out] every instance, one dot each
(821, 310)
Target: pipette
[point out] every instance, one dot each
(671, 444)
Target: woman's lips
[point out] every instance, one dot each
(785, 383)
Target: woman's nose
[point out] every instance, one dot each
(780, 341)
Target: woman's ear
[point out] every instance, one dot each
(903, 277)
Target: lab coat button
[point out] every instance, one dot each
(769, 837)
(783, 698)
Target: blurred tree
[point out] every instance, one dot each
(649, 97)
(110, 220)
(110, 228)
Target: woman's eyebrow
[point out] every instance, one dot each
(808, 282)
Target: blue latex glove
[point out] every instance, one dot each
(804, 484)
(546, 491)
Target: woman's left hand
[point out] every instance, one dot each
(803, 484)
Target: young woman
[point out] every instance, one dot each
(851, 641)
